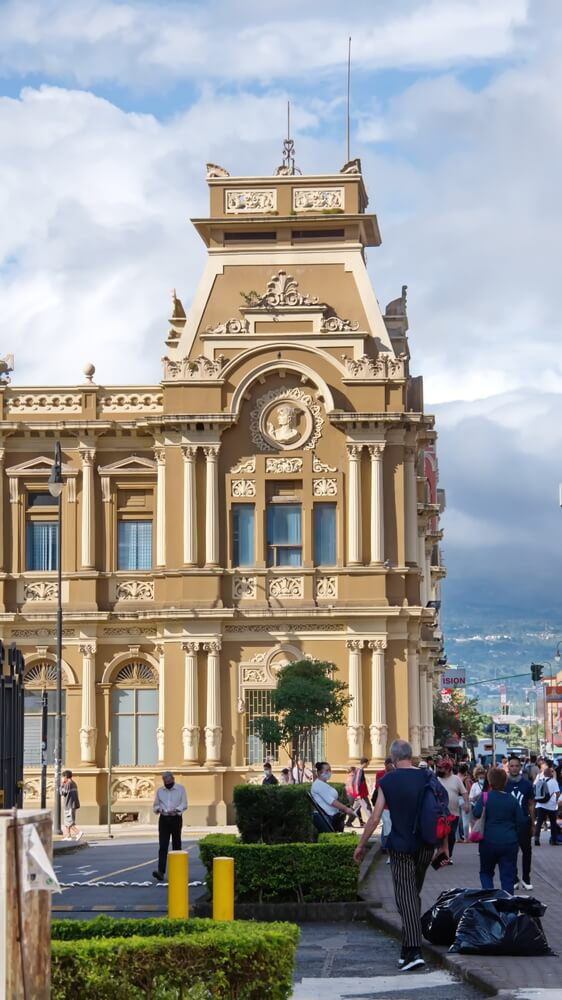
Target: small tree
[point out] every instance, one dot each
(461, 716)
(306, 699)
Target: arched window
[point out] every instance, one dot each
(38, 678)
(134, 715)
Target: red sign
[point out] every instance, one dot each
(553, 694)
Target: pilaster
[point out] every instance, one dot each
(355, 727)
(378, 728)
(88, 731)
(190, 730)
(213, 728)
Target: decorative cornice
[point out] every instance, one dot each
(201, 369)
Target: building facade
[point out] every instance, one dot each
(274, 497)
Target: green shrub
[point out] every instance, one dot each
(276, 814)
(160, 959)
(319, 872)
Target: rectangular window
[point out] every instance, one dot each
(325, 534)
(134, 545)
(258, 703)
(32, 727)
(243, 534)
(284, 534)
(133, 726)
(42, 545)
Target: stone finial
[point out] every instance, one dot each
(178, 312)
(89, 371)
(213, 170)
(398, 306)
(6, 366)
(351, 167)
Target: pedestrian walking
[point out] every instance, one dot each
(285, 776)
(326, 796)
(457, 793)
(71, 802)
(302, 773)
(360, 785)
(505, 824)
(547, 793)
(352, 801)
(268, 775)
(464, 824)
(401, 790)
(170, 803)
(521, 788)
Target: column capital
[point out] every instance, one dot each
(89, 648)
(354, 645)
(376, 451)
(160, 455)
(410, 453)
(377, 645)
(190, 647)
(211, 452)
(214, 646)
(354, 450)
(87, 454)
(189, 452)
(158, 649)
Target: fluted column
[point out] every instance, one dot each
(2, 455)
(161, 730)
(414, 701)
(354, 495)
(355, 727)
(88, 731)
(212, 506)
(378, 728)
(160, 455)
(189, 506)
(410, 505)
(376, 451)
(424, 723)
(422, 565)
(213, 728)
(88, 508)
(190, 730)
(15, 511)
(429, 695)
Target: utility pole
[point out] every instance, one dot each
(493, 743)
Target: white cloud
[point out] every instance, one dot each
(147, 43)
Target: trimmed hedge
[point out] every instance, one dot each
(164, 959)
(276, 814)
(322, 872)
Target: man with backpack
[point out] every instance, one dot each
(418, 807)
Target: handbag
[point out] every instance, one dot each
(477, 832)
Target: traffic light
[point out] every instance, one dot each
(536, 671)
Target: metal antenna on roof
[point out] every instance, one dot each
(289, 146)
(348, 97)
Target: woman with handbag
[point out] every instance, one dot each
(503, 823)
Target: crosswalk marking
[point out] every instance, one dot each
(361, 987)
(538, 993)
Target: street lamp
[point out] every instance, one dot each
(56, 485)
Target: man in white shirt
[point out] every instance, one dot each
(547, 807)
(326, 797)
(170, 802)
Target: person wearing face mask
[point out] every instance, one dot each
(326, 797)
(170, 802)
(457, 793)
(521, 788)
(268, 775)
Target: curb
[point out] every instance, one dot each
(295, 912)
(59, 848)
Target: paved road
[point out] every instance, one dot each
(121, 864)
(355, 961)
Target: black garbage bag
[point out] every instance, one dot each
(491, 927)
(439, 924)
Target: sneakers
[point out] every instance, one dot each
(159, 876)
(410, 959)
(79, 835)
(525, 885)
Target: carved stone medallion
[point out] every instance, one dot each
(285, 419)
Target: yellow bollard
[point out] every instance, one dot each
(178, 884)
(223, 888)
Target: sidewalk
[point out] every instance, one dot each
(494, 973)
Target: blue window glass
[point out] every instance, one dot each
(325, 534)
(134, 545)
(284, 534)
(42, 545)
(243, 534)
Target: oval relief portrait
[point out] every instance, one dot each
(286, 423)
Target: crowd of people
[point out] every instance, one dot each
(501, 807)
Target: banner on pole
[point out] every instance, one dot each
(553, 694)
(453, 679)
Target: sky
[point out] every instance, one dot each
(109, 112)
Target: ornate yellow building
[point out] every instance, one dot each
(273, 497)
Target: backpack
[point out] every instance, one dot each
(431, 822)
(542, 793)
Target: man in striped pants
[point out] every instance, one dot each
(409, 856)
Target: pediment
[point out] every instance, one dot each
(131, 466)
(40, 466)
